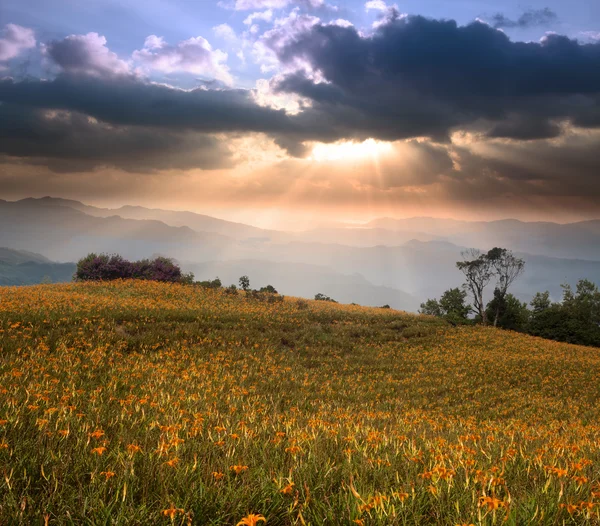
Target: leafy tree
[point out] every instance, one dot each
(478, 271)
(511, 313)
(575, 320)
(211, 284)
(480, 268)
(540, 302)
(269, 289)
(451, 306)
(322, 297)
(454, 306)
(245, 283)
(431, 307)
(507, 268)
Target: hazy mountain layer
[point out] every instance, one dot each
(381, 265)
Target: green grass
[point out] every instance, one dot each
(374, 415)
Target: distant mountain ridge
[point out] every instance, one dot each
(20, 267)
(192, 220)
(579, 240)
(395, 261)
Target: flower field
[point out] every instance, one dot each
(146, 403)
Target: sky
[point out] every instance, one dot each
(290, 112)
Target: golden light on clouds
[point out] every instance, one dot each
(351, 151)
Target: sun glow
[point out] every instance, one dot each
(350, 151)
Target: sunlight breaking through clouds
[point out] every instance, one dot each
(350, 151)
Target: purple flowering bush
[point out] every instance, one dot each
(105, 267)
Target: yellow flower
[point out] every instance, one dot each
(173, 462)
(107, 474)
(238, 469)
(288, 489)
(97, 434)
(251, 520)
(99, 450)
(172, 511)
(492, 503)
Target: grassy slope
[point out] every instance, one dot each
(375, 416)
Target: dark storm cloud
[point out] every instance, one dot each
(128, 101)
(530, 18)
(68, 141)
(416, 76)
(413, 77)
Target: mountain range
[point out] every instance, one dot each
(399, 262)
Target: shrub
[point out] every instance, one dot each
(232, 290)
(245, 283)
(269, 289)
(323, 297)
(214, 284)
(105, 267)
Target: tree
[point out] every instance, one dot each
(451, 306)
(245, 283)
(507, 268)
(431, 307)
(511, 313)
(270, 289)
(323, 297)
(575, 320)
(540, 302)
(478, 271)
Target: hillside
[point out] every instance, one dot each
(390, 261)
(63, 233)
(20, 267)
(145, 403)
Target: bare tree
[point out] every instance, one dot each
(507, 268)
(478, 271)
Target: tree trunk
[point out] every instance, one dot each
(482, 311)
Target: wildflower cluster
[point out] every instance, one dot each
(158, 403)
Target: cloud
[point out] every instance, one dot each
(128, 101)
(194, 55)
(530, 18)
(594, 36)
(15, 39)
(285, 30)
(375, 5)
(67, 141)
(264, 16)
(252, 5)
(225, 32)
(411, 78)
(79, 120)
(85, 54)
(419, 77)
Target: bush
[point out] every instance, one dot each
(231, 290)
(269, 289)
(105, 267)
(268, 297)
(214, 284)
(323, 297)
(245, 283)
